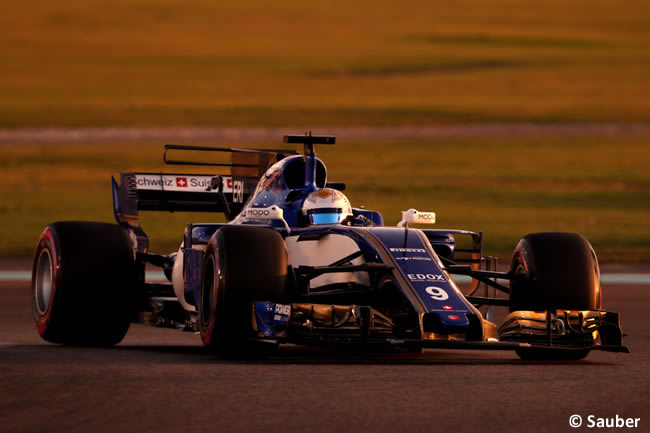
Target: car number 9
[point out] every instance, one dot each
(437, 293)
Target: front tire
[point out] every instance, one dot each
(242, 264)
(83, 281)
(554, 271)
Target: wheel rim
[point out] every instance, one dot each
(43, 286)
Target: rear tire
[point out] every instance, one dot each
(83, 282)
(554, 271)
(242, 264)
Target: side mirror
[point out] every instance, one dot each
(413, 216)
(270, 213)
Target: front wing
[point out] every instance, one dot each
(310, 324)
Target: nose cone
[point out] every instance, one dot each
(445, 322)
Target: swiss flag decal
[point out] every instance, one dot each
(181, 182)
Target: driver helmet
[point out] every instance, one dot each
(326, 206)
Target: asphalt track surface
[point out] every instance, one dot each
(162, 380)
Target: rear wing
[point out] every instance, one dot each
(139, 191)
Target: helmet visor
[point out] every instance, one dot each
(325, 216)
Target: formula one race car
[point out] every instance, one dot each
(296, 263)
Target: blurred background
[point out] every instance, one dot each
(328, 65)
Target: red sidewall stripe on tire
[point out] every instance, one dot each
(47, 242)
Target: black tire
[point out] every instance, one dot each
(554, 271)
(242, 264)
(83, 282)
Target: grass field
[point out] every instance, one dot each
(598, 186)
(200, 62)
(288, 63)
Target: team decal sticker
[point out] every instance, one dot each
(435, 292)
(426, 277)
(414, 259)
(190, 183)
(408, 250)
(282, 312)
(237, 191)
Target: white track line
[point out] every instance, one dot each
(635, 278)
